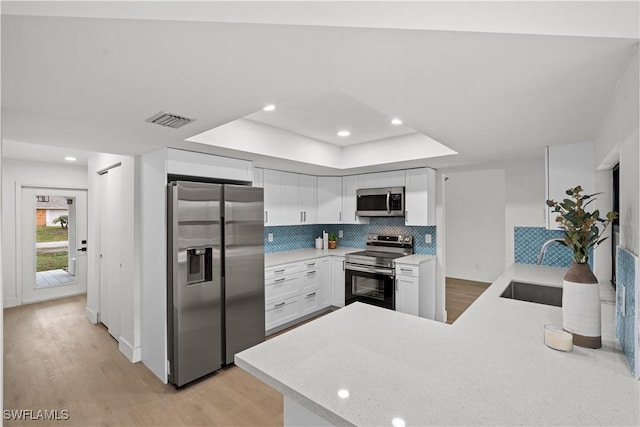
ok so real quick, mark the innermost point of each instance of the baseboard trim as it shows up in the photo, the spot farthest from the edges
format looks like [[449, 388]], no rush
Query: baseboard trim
[[91, 315], [66, 295], [133, 353], [10, 302]]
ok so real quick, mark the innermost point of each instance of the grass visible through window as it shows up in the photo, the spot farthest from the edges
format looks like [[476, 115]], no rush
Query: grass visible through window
[[52, 258], [51, 234], [52, 261]]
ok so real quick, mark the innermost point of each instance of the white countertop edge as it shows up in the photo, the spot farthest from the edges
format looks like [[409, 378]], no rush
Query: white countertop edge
[[272, 259], [295, 395], [284, 257]]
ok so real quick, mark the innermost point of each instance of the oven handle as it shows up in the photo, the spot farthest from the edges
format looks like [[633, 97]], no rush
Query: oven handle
[[385, 271]]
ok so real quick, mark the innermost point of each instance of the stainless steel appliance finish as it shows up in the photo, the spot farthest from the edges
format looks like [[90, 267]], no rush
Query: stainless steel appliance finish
[[215, 276], [387, 201], [370, 274]]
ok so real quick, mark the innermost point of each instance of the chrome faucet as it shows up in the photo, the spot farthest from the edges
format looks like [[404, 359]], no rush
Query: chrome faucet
[[543, 249]]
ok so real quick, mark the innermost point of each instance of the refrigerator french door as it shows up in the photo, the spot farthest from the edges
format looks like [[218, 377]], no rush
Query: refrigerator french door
[[215, 276]]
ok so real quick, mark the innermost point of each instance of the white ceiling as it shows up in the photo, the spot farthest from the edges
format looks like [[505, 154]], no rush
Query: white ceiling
[[322, 114], [89, 83]]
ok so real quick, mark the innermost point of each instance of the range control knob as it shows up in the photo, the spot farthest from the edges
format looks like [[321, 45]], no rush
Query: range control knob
[[406, 239]]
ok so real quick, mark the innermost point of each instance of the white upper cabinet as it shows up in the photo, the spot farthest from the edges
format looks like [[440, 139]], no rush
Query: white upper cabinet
[[307, 195], [182, 162], [289, 198], [382, 179], [258, 177], [349, 186], [273, 183], [420, 191], [329, 200], [567, 166]]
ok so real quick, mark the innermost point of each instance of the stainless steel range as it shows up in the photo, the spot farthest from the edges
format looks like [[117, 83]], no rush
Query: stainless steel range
[[370, 274]]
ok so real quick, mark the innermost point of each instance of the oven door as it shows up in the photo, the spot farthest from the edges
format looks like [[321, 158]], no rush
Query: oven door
[[371, 285]]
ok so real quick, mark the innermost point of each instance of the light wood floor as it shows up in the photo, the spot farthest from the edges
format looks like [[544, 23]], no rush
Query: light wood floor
[[55, 359], [460, 294]]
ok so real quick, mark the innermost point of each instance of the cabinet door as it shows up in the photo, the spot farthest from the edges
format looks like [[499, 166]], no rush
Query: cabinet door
[[272, 197], [291, 212], [307, 193], [329, 200], [420, 197], [258, 177], [407, 295], [349, 186], [324, 282], [337, 281], [382, 179]]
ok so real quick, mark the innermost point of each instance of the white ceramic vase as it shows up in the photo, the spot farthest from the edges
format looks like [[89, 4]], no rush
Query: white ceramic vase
[[581, 313]]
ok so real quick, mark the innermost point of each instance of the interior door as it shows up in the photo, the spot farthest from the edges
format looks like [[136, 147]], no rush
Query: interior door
[[52, 248], [110, 244]]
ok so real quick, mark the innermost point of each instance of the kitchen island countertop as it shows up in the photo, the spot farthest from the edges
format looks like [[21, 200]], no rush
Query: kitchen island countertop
[[490, 367]]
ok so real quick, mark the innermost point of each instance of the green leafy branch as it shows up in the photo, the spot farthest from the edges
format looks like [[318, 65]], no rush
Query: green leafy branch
[[581, 228]]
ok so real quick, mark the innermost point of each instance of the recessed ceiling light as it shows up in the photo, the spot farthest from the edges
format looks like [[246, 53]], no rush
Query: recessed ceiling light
[[269, 107], [343, 393], [398, 422], [70, 159], [396, 121], [344, 133]]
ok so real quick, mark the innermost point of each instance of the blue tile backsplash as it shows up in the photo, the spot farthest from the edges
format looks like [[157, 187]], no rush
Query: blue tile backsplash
[[286, 238], [626, 307], [529, 240]]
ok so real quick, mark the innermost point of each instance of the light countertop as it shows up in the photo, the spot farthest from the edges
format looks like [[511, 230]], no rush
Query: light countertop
[[490, 367], [278, 258], [297, 255]]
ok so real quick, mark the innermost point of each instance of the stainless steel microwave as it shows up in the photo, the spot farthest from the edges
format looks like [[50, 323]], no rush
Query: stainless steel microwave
[[387, 201]]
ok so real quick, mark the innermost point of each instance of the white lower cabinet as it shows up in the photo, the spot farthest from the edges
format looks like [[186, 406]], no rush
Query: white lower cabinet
[[407, 295], [295, 290], [281, 312], [337, 281], [416, 289]]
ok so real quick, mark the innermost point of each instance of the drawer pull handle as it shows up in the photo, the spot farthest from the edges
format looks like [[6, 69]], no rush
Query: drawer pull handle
[[408, 270], [279, 271], [311, 273], [313, 294], [312, 264], [280, 280], [280, 304]]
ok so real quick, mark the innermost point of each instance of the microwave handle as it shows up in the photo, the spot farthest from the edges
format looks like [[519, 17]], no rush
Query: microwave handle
[[388, 205]]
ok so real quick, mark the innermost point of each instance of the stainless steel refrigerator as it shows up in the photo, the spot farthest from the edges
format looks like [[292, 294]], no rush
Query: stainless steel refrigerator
[[215, 276]]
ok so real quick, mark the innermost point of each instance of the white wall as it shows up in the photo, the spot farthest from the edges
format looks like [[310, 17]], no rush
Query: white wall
[[129, 339], [475, 217], [16, 173], [617, 139], [154, 266], [525, 201]]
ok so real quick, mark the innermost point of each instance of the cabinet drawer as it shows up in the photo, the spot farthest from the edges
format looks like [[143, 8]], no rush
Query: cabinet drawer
[[406, 270], [309, 279], [282, 270], [311, 264], [281, 312], [281, 287], [309, 301]]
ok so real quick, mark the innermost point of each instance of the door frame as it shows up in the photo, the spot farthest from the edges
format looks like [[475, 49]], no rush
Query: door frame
[[18, 186]]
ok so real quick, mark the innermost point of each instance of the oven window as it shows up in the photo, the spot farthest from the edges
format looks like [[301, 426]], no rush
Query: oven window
[[367, 287]]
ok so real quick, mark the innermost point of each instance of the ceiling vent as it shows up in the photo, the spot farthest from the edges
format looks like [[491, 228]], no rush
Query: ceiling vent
[[169, 120]]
